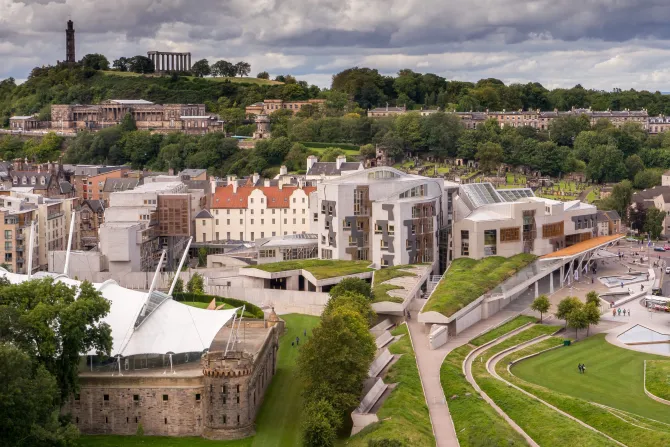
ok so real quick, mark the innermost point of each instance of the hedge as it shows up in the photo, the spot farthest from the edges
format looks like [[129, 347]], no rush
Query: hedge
[[252, 309]]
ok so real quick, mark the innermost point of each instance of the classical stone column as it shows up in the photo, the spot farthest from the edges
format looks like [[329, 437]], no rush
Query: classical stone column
[[172, 61], [188, 61], [180, 63]]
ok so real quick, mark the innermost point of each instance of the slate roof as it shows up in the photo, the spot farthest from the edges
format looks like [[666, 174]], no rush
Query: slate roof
[[204, 214], [650, 194], [65, 187], [192, 172], [29, 174], [330, 168], [96, 206], [120, 184]]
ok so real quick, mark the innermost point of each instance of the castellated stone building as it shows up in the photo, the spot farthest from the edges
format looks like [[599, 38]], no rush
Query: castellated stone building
[[216, 396]]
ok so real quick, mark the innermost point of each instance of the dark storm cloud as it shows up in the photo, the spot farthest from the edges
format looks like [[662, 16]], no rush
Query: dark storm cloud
[[600, 43]]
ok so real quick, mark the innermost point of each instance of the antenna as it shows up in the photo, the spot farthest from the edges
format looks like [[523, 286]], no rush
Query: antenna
[[181, 264], [30, 249], [69, 243]]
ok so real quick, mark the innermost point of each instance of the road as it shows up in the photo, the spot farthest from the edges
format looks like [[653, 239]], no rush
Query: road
[[629, 248]]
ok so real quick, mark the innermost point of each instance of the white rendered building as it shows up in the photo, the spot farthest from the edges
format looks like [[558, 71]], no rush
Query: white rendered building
[[506, 222], [381, 214]]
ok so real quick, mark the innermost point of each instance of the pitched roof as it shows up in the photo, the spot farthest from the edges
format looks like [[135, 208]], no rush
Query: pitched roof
[[330, 168], [38, 176], [120, 184], [204, 214], [650, 194], [613, 215], [95, 205], [224, 197], [192, 172], [65, 187]]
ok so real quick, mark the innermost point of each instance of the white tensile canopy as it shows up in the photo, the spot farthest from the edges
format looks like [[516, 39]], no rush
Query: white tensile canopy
[[172, 327]]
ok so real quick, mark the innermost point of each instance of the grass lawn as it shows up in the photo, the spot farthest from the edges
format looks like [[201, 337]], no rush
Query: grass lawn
[[614, 376], [477, 424], [404, 414], [544, 425], [630, 429], [658, 378], [278, 423], [350, 150], [502, 330], [320, 268], [380, 291], [468, 279]]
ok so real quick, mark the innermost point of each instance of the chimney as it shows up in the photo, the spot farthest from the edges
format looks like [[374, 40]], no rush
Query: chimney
[[255, 178], [212, 183], [234, 183], [266, 182], [341, 159], [311, 160], [39, 168], [283, 170]]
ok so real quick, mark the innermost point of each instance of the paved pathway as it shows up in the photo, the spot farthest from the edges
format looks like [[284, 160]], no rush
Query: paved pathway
[[430, 361]]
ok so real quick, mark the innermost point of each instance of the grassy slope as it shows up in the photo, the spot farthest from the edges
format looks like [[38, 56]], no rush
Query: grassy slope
[[646, 433], [379, 290], [277, 424], [320, 268], [613, 376], [477, 424], [468, 279], [502, 330], [221, 79], [543, 424], [658, 378], [404, 414]]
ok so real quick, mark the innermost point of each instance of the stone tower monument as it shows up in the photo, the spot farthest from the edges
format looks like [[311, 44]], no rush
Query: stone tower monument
[[69, 43], [262, 127]]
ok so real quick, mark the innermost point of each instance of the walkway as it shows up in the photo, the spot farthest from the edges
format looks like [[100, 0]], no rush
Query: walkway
[[430, 361]]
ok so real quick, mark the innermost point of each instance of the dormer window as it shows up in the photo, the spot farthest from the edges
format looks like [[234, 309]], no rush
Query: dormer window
[[24, 180], [33, 180], [43, 180]]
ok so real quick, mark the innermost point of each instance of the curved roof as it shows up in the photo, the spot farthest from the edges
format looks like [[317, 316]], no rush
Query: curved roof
[[172, 327]]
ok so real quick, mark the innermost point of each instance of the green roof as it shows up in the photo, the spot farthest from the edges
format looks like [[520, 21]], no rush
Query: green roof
[[320, 268], [380, 290], [468, 279]]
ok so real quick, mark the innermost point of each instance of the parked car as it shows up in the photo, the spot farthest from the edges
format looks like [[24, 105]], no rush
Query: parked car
[[659, 249], [667, 270], [667, 246], [631, 239]]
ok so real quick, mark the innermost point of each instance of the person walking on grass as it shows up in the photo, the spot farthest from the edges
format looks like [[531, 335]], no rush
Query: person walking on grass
[[297, 341], [579, 367], [583, 368]]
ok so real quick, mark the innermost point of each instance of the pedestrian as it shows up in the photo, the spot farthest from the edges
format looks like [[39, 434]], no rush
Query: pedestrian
[[304, 333], [409, 317], [629, 312], [622, 284], [579, 367], [641, 287], [583, 369], [618, 311], [292, 344], [297, 341], [614, 312]]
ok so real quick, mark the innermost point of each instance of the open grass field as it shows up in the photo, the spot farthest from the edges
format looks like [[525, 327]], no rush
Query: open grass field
[[544, 425], [468, 279], [320, 268], [632, 430], [278, 422], [658, 378], [614, 376], [404, 414]]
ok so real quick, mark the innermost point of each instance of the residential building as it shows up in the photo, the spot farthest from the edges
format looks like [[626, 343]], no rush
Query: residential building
[[89, 181], [117, 185], [656, 197], [248, 210], [91, 216], [16, 233], [46, 179], [270, 106], [658, 124], [490, 222], [381, 215], [609, 223], [320, 170]]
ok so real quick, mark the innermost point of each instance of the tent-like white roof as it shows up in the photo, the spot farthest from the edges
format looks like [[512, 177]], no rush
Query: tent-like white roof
[[172, 327]]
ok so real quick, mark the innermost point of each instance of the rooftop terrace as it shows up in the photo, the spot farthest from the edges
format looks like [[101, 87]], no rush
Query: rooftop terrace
[[320, 268]]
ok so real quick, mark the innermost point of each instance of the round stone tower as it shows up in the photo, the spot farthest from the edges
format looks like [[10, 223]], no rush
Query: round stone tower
[[262, 127]]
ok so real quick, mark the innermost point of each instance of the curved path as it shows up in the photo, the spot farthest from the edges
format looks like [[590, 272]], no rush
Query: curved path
[[467, 371], [491, 368]]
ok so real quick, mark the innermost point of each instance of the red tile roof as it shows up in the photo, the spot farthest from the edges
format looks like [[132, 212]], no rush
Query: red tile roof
[[276, 197]]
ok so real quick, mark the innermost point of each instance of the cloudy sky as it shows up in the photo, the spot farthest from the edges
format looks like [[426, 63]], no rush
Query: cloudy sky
[[601, 44]]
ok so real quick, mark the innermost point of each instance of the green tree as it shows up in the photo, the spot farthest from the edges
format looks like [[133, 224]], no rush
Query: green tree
[[577, 319], [242, 68], [648, 178], [263, 75], [223, 68], [620, 199], [634, 164], [140, 64], [120, 64], [566, 306], [355, 285], [593, 297], [201, 68], [355, 300], [320, 424], [606, 164], [95, 61], [54, 323], [128, 124], [592, 315], [49, 148], [196, 284], [541, 304], [440, 133], [202, 257], [564, 130], [653, 223], [489, 155], [29, 403], [178, 286]]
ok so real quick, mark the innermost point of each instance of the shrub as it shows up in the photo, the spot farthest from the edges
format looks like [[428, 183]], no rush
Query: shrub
[[355, 285], [196, 284], [140, 430], [320, 424]]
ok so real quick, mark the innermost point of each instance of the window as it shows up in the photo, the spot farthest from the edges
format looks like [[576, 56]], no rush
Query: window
[[262, 234], [241, 222], [552, 230], [323, 239], [227, 235], [384, 244], [413, 229], [105, 397], [262, 222], [252, 235], [378, 229], [224, 419], [408, 244], [417, 191], [252, 221], [465, 243], [385, 263], [136, 397], [203, 222], [352, 240], [197, 397], [8, 234], [391, 230], [510, 234], [490, 242], [267, 253], [165, 397], [326, 254], [165, 421], [252, 200], [294, 211], [316, 217]]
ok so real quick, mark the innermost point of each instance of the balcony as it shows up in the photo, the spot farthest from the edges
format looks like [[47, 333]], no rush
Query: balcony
[[20, 237]]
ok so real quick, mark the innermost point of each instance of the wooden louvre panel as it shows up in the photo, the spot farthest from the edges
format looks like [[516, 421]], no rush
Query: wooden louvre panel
[[510, 234]]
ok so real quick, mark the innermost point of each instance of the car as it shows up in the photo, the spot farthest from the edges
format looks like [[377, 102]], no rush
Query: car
[[659, 249], [631, 239], [667, 246], [667, 270]]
